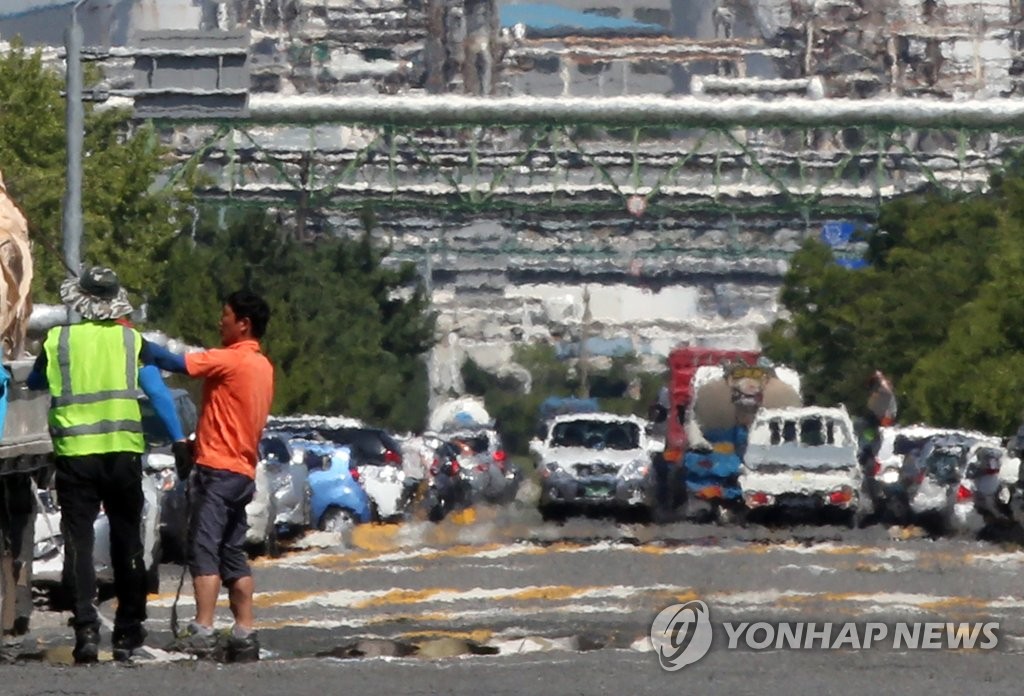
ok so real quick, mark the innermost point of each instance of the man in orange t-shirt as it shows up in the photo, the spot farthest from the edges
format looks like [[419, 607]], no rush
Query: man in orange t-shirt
[[238, 389]]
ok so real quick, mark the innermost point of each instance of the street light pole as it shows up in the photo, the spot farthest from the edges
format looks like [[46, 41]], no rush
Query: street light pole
[[71, 223]]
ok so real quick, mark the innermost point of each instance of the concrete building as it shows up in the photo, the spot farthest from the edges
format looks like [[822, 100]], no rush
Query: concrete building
[[709, 288]]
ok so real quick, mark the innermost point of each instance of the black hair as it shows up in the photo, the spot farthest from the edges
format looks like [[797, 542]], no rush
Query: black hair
[[248, 305]]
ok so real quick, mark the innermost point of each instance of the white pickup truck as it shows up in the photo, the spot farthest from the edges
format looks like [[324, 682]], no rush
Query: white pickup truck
[[803, 458]]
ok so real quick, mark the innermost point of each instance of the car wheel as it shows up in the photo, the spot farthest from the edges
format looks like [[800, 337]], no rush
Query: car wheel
[[726, 516], [272, 544], [553, 513], [337, 521]]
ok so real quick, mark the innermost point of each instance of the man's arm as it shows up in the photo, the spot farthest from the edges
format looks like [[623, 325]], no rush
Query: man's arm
[[163, 403], [153, 354], [37, 377]]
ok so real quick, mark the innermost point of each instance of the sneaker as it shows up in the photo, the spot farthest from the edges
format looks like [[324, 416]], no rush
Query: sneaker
[[195, 641], [243, 649], [87, 645], [127, 640], [10, 647]]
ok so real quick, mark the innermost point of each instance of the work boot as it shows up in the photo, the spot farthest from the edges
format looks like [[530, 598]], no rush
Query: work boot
[[243, 649], [21, 626], [195, 640], [127, 640], [87, 645]]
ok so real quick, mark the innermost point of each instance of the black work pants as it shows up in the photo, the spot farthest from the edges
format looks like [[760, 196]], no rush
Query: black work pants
[[17, 544], [115, 480]]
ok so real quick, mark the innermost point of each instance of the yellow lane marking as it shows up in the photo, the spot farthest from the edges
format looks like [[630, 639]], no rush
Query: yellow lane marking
[[955, 603], [264, 600], [549, 593], [480, 635], [398, 597]]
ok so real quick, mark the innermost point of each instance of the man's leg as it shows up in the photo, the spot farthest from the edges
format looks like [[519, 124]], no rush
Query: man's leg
[[123, 502], [79, 498], [22, 507], [206, 589], [243, 645], [240, 593], [206, 530]]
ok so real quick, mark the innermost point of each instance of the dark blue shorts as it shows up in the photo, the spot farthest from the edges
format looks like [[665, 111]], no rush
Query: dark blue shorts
[[216, 535]]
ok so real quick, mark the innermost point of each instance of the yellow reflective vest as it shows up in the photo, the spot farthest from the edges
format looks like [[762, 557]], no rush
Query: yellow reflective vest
[[93, 372]]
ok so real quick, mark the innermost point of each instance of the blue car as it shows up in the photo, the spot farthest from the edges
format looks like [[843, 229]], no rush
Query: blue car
[[337, 501]]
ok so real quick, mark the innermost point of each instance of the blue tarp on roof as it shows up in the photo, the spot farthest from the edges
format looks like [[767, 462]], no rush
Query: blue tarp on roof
[[547, 18]]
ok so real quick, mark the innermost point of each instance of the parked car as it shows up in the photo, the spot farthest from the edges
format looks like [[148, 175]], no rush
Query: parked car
[[492, 476], [594, 460], [315, 487], [804, 460], [448, 487], [280, 506], [366, 445], [377, 463], [882, 466], [955, 483], [337, 501]]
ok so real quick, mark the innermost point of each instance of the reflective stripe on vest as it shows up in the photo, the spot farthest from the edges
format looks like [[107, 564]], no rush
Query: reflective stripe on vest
[[93, 372]]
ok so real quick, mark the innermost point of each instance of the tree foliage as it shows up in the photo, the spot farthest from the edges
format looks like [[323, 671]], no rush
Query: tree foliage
[[517, 413], [347, 333], [940, 309], [127, 224]]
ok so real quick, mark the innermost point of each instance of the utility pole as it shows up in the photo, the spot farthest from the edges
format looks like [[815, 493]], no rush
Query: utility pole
[[584, 359], [71, 222]]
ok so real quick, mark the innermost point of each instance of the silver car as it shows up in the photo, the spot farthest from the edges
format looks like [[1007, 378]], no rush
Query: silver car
[[594, 460]]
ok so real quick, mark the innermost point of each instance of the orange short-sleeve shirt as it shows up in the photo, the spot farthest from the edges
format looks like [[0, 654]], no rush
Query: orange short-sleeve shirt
[[237, 391]]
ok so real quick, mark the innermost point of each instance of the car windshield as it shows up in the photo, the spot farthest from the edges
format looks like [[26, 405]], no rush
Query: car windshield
[[594, 434], [810, 431], [272, 447], [944, 463], [474, 444]]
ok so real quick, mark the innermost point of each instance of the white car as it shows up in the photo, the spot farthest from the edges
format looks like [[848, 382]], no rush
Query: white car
[[595, 459], [281, 500], [804, 458], [959, 481]]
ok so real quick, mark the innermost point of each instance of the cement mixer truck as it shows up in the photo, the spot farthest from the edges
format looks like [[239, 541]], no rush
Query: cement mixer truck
[[712, 398]]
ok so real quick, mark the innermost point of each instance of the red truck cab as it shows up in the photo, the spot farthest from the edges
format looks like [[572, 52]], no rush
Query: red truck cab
[[682, 364]]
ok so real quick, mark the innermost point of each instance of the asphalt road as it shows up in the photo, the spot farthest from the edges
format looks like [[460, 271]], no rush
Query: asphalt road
[[507, 604]]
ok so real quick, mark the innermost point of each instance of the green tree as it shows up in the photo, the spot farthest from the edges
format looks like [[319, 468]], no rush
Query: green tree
[[936, 310], [127, 223], [347, 333], [976, 376]]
